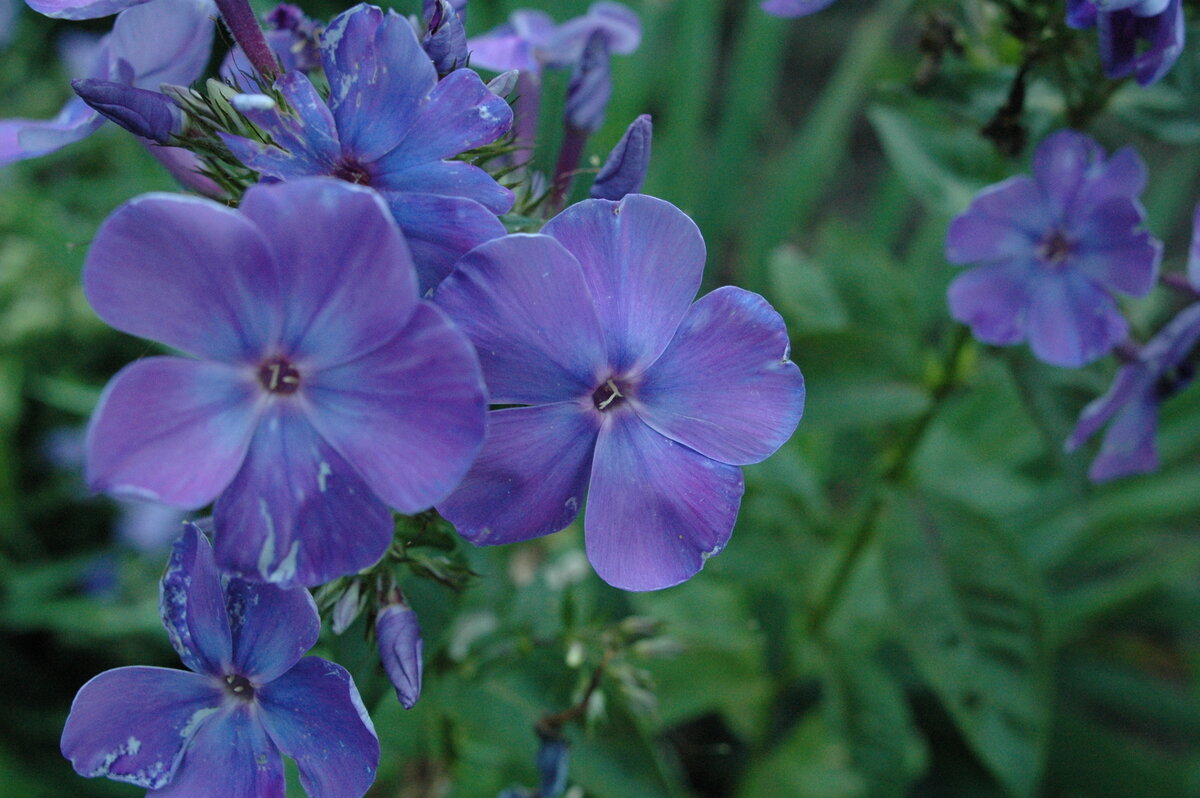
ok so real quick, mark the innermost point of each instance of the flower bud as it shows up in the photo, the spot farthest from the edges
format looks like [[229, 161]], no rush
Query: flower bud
[[445, 39], [347, 608], [503, 84], [147, 114], [590, 87], [552, 759], [625, 170], [400, 649]]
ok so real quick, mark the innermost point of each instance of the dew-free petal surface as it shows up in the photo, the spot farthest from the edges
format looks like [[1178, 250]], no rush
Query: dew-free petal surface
[[230, 756], [192, 604], [273, 627]]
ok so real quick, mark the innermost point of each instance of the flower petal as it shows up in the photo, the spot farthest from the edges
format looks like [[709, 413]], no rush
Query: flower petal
[[523, 302], [724, 386], [1071, 321], [410, 415], [448, 178], [643, 259], [167, 41], [1129, 383], [1004, 221], [230, 756], [172, 430], [314, 714], [794, 8], [529, 480], [1061, 164], [81, 9], [1112, 253], [188, 272], [32, 138], [502, 49], [993, 300], [1128, 446], [273, 627], [297, 513], [440, 230], [192, 603], [132, 724], [350, 283], [656, 509]]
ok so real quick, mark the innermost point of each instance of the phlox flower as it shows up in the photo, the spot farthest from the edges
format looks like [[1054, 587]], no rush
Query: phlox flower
[[249, 694], [795, 8], [630, 393], [531, 41], [1052, 248], [390, 124], [1142, 38], [321, 392]]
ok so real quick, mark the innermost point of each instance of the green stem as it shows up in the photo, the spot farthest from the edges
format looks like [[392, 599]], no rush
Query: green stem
[[864, 531]]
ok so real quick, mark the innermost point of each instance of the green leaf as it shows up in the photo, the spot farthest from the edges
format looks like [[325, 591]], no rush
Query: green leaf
[[804, 294], [971, 616], [810, 763]]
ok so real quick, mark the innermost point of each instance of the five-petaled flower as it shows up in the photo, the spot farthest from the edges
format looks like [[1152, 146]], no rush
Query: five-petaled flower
[[325, 389], [249, 694], [390, 124], [632, 393], [1053, 247]]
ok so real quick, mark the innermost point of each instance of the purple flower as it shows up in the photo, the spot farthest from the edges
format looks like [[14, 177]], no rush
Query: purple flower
[[1142, 38], [390, 124], [625, 170], [445, 38], [146, 114], [531, 41], [1053, 247], [219, 727], [632, 393], [325, 390], [795, 8], [400, 650], [168, 41]]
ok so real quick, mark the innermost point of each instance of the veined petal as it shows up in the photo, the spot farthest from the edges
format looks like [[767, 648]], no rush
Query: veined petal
[[643, 259], [297, 513], [409, 415], [192, 603], [1004, 221], [724, 385], [315, 715], [230, 756], [189, 272], [350, 283], [656, 508], [273, 627], [171, 429], [523, 302], [440, 230], [132, 724], [993, 300], [530, 478], [1071, 321]]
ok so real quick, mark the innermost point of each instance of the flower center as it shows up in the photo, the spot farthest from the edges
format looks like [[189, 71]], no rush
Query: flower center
[[608, 395], [277, 375], [239, 687], [352, 172], [1055, 248]]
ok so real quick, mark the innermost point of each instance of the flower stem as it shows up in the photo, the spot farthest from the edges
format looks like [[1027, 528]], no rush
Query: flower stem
[[864, 530], [240, 20], [569, 155]]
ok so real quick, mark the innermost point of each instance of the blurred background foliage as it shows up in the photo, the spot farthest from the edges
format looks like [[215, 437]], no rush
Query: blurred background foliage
[[923, 596]]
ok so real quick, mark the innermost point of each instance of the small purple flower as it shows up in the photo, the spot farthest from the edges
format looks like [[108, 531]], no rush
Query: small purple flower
[[445, 38], [248, 695], [325, 390], [390, 124], [168, 41], [530, 40], [795, 8], [1142, 38], [400, 650], [1053, 247], [625, 170], [632, 393]]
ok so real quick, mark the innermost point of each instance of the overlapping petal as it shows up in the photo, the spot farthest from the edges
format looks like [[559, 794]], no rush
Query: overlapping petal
[[192, 602], [1113, 253], [133, 724], [993, 300], [439, 230], [166, 41], [656, 508], [31, 138], [313, 713], [1061, 164], [524, 303], [530, 478], [272, 627], [1128, 446], [725, 386], [171, 429], [1071, 322], [643, 259], [1004, 221], [230, 756], [410, 414]]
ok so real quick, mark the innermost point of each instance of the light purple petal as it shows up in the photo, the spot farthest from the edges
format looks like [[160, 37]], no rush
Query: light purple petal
[[32, 138], [349, 283], [794, 8], [192, 604], [1193, 263], [314, 714], [1112, 253], [440, 230], [172, 430], [131, 724], [618, 26], [643, 259], [400, 651], [993, 300], [81, 9], [409, 415], [523, 302], [167, 41], [1061, 164], [1129, 382], [1071, 322], [501, 50], [724, 386], [1004, 221], [378, 77], [448, 178], [656, 509], [1128, 446], [531, 476], [1121, 176], [230, 756], [269, 160], [297, 513], [185, 166], [188, 272], [273, 627]]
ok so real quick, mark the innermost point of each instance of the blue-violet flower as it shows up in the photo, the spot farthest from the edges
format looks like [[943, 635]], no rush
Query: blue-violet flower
[[1142, 38]]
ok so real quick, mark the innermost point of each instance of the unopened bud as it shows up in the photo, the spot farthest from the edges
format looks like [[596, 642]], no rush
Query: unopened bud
[[400, 650], [590, 87], [148, 114], [445, 39], [347, 608], [503, 84], [625, 170]]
